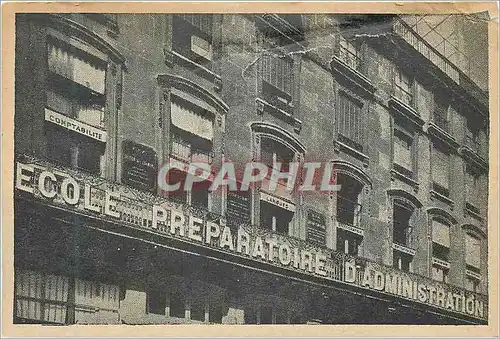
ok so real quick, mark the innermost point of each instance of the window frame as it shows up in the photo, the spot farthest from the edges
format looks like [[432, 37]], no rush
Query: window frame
[[344, 108], [398, 88], [81, 95], [398, 132]]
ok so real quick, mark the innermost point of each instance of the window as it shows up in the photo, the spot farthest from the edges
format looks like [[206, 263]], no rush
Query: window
[[402, 230], [472, 262], [75, 89], [440, 163], [403, 152], [177, 305], [472, 251], [472, 190], [440, 250], [40, 296], [402, 261], [472, 279], [349, 53], [156, 300], [348, 208], [192, 131], [275, 218], [349, 124], [440, 117], [278, 81], [192, 37], [472, 135], [348, 242], [403, 87], [273, 152]]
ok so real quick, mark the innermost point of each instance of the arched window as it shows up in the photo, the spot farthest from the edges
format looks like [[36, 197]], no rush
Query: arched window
[[473, 248], [275, 145], [440, 223], [349, 200], [440, 249], [404, 212]]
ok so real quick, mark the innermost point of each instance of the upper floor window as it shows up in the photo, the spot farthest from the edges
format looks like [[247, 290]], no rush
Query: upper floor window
[[403, 87], [276, 216], [472, 189], [76, 90], [472, 135], [348, 214], [349, 124], [441, 111], [191, 131], [273, 152], [472, 262], [349, 53], [403, 152], [191, 140], [402, 235], [440, 249], [440, 162], [402, 230], [278, 81], [192, 37]]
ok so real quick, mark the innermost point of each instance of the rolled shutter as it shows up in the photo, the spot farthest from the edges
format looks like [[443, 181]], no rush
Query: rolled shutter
[[190, 121], [472, 251], [441, 233], [76, 67]]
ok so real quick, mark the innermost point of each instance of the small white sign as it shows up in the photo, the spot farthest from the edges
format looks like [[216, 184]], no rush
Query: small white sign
[[75, 125], [277, 201]]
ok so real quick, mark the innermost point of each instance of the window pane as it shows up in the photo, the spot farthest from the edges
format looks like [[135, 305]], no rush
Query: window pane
[[186, 118], [472, 251], [402, 150], [440, 167], [440, 233], [349, 120]]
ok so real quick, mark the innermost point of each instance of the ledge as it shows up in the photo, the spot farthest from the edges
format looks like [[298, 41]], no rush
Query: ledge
[[473, 157], [264, 106], [340, 146], [441, 263], [406, 112], [472, 211], [395, 174], [442, 135], [403, 249], [167, 80], [350, 228], [360, 80], [473, 274], [443, 198], [172, 57]]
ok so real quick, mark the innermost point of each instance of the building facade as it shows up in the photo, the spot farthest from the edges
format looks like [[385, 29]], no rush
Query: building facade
[[103, 101]]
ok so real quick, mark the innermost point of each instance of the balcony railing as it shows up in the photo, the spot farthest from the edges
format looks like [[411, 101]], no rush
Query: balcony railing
[[459, 76], [349, 58]]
